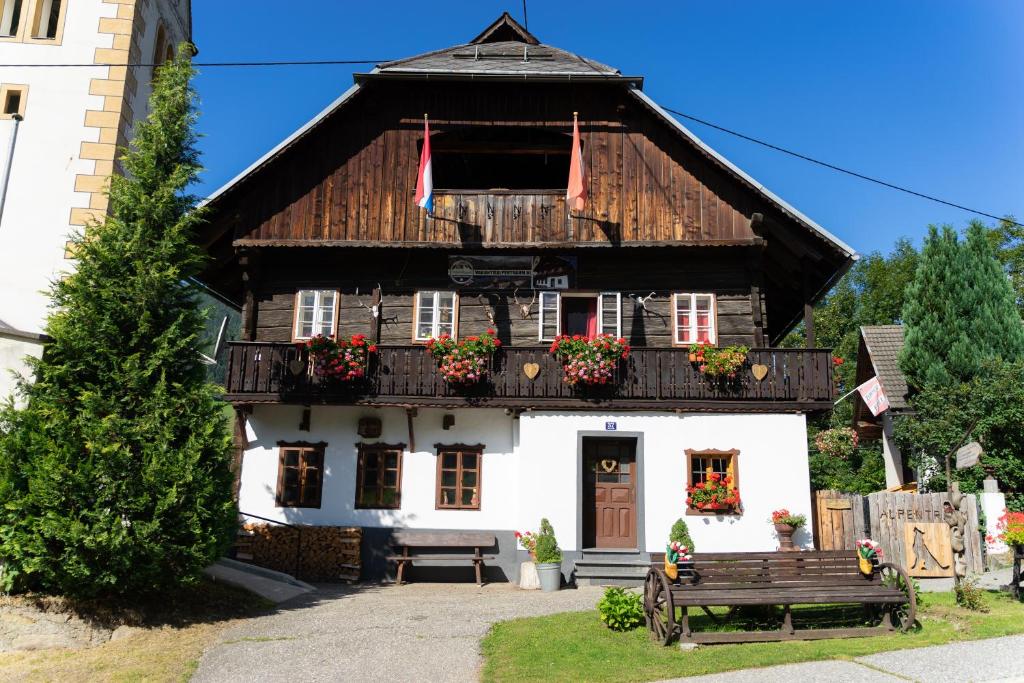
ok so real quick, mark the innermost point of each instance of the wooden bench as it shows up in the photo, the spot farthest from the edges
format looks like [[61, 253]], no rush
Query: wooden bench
[[736, 580], [404, 541]]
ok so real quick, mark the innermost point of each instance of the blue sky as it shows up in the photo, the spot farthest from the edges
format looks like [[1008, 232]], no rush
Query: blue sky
[[929, 95]]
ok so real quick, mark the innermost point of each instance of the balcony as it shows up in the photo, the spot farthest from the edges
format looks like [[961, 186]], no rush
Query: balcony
[[519, 216], [652, 378]]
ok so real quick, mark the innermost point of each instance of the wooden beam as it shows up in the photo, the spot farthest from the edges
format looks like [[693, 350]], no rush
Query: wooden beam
[[808, 309]]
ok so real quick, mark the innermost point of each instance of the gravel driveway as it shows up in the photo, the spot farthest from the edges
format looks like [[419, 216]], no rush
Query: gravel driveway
[[416, 632]]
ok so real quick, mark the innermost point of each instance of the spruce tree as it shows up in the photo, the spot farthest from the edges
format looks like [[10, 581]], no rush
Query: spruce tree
[[936, 334], [115, 476], [991, 301]]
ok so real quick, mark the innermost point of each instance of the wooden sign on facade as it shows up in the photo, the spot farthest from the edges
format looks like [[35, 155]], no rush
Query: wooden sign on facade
[[928, 550]]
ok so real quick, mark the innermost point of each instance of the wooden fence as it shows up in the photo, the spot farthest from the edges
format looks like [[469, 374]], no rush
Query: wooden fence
[[842, 518]]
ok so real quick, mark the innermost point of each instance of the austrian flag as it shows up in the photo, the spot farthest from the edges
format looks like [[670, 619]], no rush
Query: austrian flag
[[577, 192], [425, 176]]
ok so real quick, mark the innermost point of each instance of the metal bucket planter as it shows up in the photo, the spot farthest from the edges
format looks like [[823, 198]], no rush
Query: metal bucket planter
[[550, 574]]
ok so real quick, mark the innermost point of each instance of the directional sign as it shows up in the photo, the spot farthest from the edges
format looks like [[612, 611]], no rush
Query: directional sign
[[968, 455]]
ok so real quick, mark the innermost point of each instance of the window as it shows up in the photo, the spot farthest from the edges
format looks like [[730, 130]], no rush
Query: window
[[379, 476], [47, 19], [435, 315], [10, 18], [702, 464], [300, 474], [583, 314], [458, 476], [12, 99], [315, 312], [501, 158], [695, 319]]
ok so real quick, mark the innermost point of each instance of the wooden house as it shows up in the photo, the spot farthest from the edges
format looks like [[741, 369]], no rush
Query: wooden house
[[674, 245]]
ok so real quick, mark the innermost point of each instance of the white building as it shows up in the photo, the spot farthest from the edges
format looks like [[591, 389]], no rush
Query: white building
[[675, 246], [60, 129]]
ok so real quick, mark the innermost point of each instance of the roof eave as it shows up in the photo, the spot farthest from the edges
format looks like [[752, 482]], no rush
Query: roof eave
[[636, 82]]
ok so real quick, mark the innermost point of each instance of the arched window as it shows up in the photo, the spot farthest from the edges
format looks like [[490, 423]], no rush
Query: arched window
[[162, 50], [500, 157]]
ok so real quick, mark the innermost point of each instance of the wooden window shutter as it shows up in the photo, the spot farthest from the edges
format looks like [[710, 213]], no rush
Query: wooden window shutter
[[549, 317], [609, 313]]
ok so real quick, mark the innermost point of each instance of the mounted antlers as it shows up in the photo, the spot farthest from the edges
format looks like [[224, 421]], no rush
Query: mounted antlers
[[642, 300], [375, 303], [488, 308], [524, 309]]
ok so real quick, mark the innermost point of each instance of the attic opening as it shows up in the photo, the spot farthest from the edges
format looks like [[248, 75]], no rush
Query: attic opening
[[500, 158]]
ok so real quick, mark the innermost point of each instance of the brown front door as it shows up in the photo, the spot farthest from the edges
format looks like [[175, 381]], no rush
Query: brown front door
[[609, 493]]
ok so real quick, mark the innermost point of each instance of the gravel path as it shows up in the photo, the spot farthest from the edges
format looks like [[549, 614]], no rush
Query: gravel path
[[417, 632]]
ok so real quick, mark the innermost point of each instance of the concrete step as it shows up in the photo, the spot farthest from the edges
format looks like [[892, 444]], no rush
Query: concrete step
[[604, 569]]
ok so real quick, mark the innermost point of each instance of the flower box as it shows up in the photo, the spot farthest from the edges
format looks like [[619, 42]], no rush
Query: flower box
[[589, 361], [342, 360], [464, 363], [717, 495]]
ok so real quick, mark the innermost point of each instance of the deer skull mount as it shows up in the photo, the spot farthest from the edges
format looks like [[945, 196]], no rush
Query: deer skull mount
[[641, 301], [524, 309], [375, 303], [488, 308]]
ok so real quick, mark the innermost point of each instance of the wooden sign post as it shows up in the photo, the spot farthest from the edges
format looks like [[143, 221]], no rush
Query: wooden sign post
[[928, 550]]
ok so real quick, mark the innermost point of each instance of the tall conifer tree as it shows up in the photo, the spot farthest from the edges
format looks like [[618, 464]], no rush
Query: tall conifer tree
[[115, 476], [959, 312]]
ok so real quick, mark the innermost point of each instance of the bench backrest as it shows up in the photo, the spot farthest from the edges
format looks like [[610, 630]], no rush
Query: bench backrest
[[778, 570], [443, 539]]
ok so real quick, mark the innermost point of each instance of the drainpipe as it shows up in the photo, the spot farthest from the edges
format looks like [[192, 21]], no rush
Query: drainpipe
[[7, 167]]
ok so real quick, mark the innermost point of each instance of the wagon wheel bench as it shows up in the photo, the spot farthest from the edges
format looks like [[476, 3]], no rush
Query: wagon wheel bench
[[404, 541], [737, 580]]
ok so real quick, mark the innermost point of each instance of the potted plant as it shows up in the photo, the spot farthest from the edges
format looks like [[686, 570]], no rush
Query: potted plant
[[869, 554], [785, 524], [718, 363], [528, 540], [717, 494], [340, 359], [678, 561], [838, 442], [467, 362], [589, 361], [548, 558], [1011, 532], [680, 534]]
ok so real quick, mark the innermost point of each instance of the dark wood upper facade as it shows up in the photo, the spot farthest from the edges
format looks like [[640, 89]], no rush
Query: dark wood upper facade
[[333, 207]]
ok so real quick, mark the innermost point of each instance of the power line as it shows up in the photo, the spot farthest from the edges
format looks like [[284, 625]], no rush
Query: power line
[[840, 169], [296, 62], [703, 122]]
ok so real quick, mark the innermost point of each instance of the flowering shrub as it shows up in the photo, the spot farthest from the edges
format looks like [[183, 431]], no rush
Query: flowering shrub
[[869, 550], [464, 362], [839, 442], [343, 359], [1011, 528], [719, 362], [589, 361], [717, 493], [784, 516], [676, 552], [528, 540]]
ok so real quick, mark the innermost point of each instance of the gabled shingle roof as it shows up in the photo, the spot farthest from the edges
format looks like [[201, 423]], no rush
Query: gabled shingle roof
[[883, 344], [503, 58]]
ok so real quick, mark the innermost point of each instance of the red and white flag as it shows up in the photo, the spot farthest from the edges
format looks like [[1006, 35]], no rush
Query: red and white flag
[[577, 174], [425, 175], [874, 398]]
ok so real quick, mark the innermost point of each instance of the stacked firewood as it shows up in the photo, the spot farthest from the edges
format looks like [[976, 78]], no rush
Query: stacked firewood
[[328, 553]]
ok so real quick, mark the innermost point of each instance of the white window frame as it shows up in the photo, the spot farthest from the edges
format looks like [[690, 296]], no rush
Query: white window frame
[[435, 310], [601, 298], [691, 337], [317, 306]]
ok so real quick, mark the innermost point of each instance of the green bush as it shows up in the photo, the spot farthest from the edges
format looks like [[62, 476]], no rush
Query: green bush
[[547, 544], [681, 533], [620, 609], [969, 595]]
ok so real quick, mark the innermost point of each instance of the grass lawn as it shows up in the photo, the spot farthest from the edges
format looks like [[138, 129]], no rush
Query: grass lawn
[[174, 635], [577, 646]]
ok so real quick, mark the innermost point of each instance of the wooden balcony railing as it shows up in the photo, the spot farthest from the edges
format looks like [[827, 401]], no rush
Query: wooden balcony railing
[[504, 215], [796, 379]]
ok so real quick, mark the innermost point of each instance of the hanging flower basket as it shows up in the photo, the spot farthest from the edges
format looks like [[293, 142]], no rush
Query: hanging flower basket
[[344, 360], [589, 361], [719, 363], [839, 442], [467, 362], [717, 494]]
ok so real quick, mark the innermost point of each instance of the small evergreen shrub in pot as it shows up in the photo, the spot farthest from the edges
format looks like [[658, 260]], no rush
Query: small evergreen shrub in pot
[[548, 558], [680, 535], [620, 610]]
